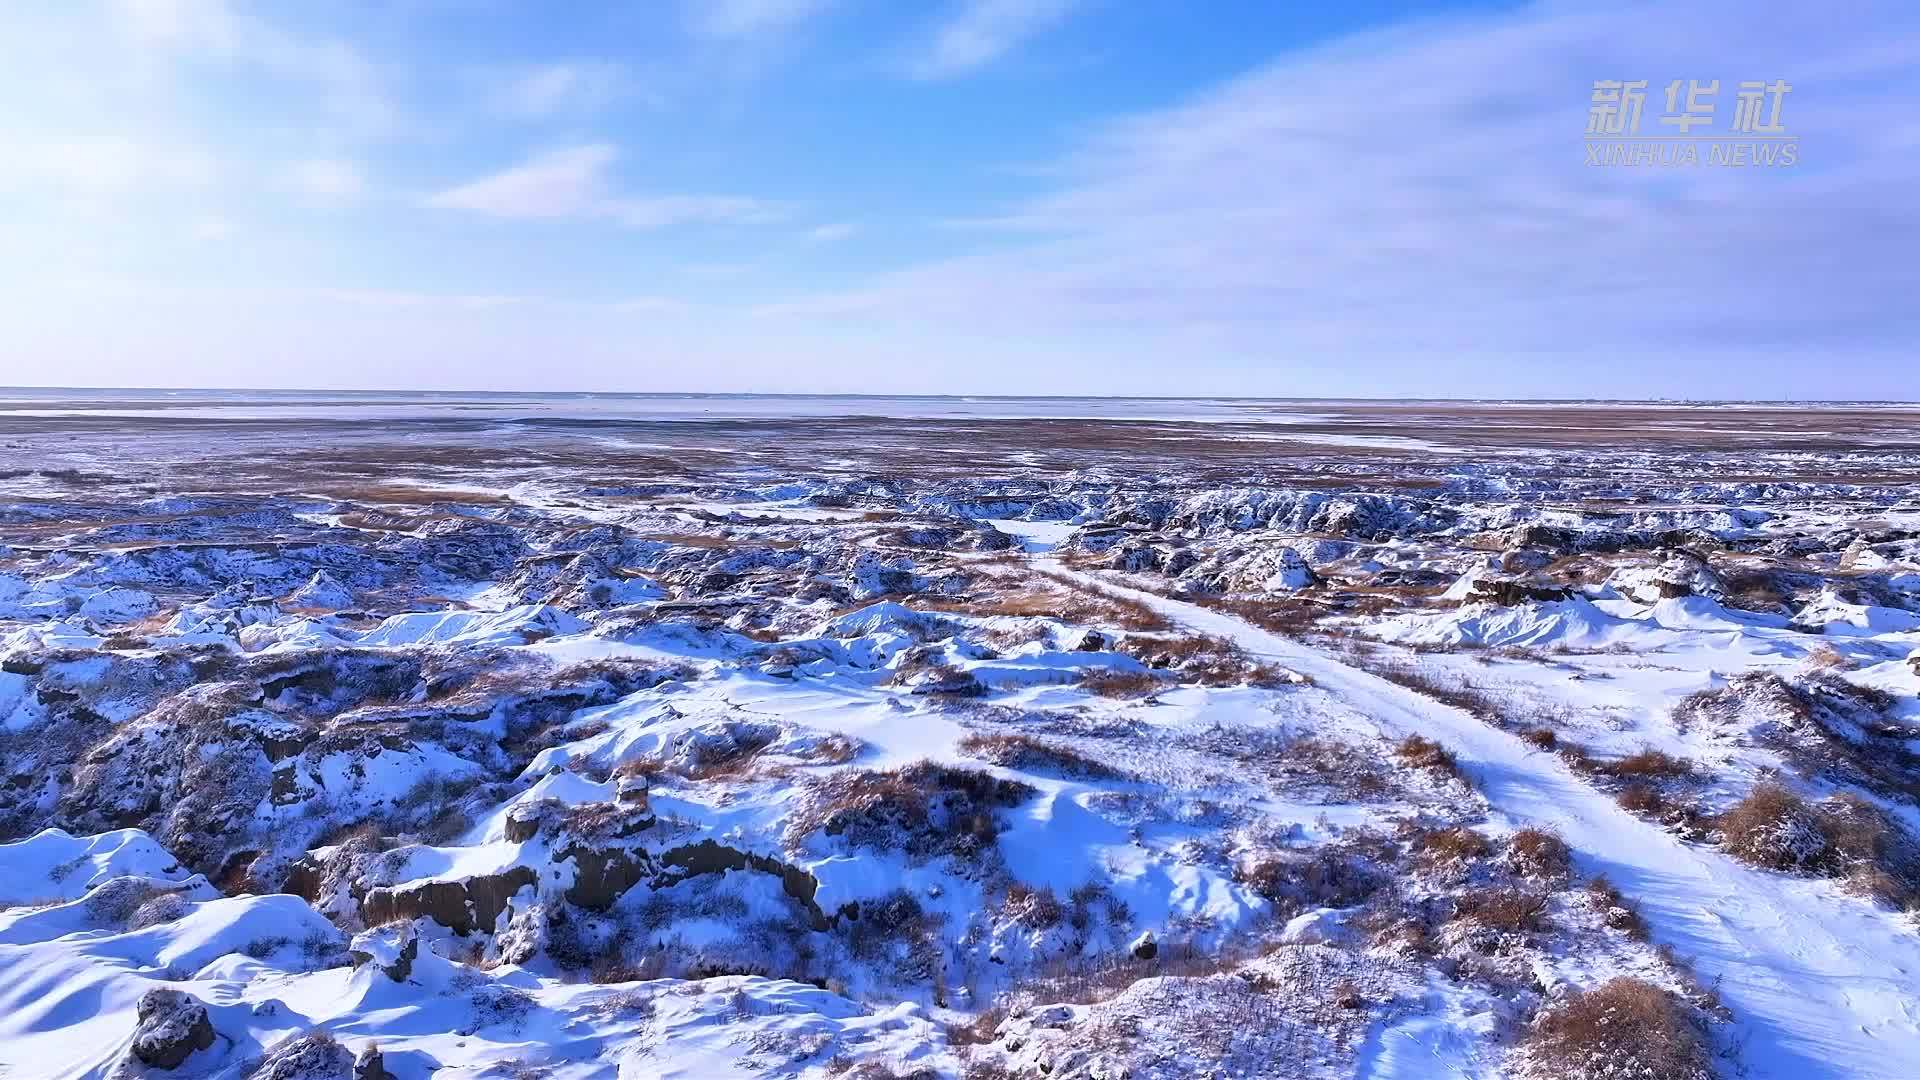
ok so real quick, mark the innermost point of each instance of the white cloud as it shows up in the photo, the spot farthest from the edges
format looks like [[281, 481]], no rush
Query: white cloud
[[104, 164], [1414, 202], [573, 183], [326, 180], [564, 183], [835, 230], [983, 31], [553, 88], [741, 18], [352, 90]]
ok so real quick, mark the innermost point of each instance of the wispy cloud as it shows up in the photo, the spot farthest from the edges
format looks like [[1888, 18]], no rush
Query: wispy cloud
[[984, 30], [740, 18], [330, 180], [1422, 193], [549, 89], [831, 231], [104, 164], [573, 183], [352, 89], [563, 183]]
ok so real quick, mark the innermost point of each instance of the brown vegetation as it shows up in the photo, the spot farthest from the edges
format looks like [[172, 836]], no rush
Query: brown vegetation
[[1289, 617], [1615, 909], [1028, 754], [1424, 753], [1541, 738], [1107, 682], [1456, 844], [1508, 908], [1627, 1027], [1649, 764], [1843, 837], [1774, 828], [1198, 658], [1538, 853], [925, 808]]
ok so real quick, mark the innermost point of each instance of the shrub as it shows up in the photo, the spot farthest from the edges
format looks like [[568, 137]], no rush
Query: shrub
[[1874, 855], [1456, 844], [164, 908], [1828, 658], [1650, 764], [1577, 758], [1028, 754], [115, 902], [1540, 738], [1035, 909], [1508, 908], [925, 808], [1641, 799], [1324, 876], [1424, 753], [1625, 1028], [1774, 828], [1334, 771], [1208, 661], [1539, 853], [874, 1070], [1615, 909], [1121, 684]]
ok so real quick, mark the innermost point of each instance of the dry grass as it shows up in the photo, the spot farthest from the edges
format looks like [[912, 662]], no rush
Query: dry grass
[[1122, 684], [1327, 875], [1774, 828], [1644, 799], [1423, 753], [1198, 658], [1456, 844], [1538, 853], [1828, 658], [1649, 764], [1625, 1028], [1035, 909], [1844, 837], [1127, 612], [1027, 754], [1290, 617], [1615, 909], [1491, 706], [1308, 765], [1510, 908], [1541, 739], [925, 809], [1036, 594]]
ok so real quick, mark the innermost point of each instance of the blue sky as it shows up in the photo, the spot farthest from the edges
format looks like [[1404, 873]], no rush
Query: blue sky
[[970, 196]]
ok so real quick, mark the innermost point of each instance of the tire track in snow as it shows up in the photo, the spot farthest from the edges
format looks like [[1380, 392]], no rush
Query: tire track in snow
[[1820, 985]]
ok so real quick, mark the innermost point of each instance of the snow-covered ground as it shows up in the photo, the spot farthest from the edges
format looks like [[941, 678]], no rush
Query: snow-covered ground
[[1819, 984], [443, 767]]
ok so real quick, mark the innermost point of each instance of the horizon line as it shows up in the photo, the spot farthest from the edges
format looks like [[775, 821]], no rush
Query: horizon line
[[961, 396]]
